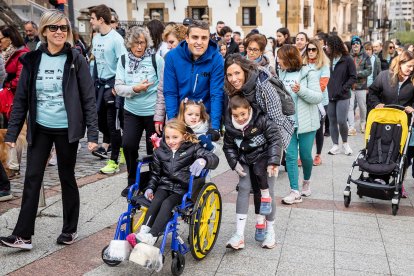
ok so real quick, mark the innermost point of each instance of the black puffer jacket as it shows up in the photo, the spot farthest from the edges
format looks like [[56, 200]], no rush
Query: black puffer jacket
[[170, 171], [343, 76], [385, 64], [260, 139]]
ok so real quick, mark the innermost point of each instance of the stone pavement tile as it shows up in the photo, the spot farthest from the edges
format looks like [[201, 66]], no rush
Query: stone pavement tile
[[253, 248], [123, 269], [400, 250], [310, 240], [210, 263], [312, 215], [390, 225], [196, 272], [344, 272], [309, 226], [397, 237], [401, 266], [360, 232], [360, 246], [300, 269], [237, 263], [306, 256], [361, 262], [367, 220]]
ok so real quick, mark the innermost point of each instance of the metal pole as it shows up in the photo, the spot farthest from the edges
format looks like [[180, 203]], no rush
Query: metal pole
[[329, 16], [71, 13], [286, 13]]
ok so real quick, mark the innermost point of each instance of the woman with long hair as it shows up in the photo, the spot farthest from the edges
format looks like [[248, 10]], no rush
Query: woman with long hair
[[301, 41], [56, 92], [343, 76], [315, 58], [304, 87], [387, 54], [156, 29]]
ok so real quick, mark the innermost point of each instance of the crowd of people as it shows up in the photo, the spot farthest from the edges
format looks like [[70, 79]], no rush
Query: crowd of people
[[270, 98]]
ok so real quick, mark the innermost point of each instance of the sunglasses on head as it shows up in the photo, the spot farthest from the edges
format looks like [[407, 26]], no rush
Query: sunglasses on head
[[54, 28], [312, 49]]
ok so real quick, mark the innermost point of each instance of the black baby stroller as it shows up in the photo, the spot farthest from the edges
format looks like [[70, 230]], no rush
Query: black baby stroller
[[382, 162]]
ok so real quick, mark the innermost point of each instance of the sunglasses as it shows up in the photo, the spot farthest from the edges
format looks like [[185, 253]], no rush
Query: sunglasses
[[391, 47], [170, 41], [113, 21], [54, 28], [312, 49]]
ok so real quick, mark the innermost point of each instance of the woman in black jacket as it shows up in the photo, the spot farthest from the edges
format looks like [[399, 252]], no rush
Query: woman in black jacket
[[178, 157], [56, 90], [343, 76]]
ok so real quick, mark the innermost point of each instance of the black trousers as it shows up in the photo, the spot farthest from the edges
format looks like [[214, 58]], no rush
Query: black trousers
[[4, 180], [37, 155], [159, 212], [134, 126], [107, 115], [319, 133]]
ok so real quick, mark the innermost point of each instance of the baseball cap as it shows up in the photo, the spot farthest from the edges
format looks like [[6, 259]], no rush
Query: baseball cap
[[187, 21]]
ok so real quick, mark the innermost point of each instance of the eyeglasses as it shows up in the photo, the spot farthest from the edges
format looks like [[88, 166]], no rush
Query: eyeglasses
[[391, 47], [113, 21], [254, 50], [312, 49], [54, 28]]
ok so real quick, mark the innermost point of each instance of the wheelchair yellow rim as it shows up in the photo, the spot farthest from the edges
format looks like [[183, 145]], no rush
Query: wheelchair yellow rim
[[137, 219], [205, 221]]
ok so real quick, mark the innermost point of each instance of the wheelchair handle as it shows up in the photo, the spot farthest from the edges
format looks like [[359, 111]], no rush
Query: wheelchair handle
[[395, 106]]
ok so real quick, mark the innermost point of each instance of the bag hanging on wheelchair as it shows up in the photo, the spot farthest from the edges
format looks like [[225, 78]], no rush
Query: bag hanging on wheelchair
[[148, 256]]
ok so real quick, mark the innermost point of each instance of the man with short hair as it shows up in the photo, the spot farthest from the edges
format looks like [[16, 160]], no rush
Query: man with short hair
[[237, 37], [108, 47], [194, 70], [31, 39], [115, 24], [377, 47], [359, 89], [216, 36]]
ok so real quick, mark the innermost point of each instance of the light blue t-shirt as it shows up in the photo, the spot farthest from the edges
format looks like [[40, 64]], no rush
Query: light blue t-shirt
[[107, 49], [51, 111], [324, 73], [142, 103], [289, 79]]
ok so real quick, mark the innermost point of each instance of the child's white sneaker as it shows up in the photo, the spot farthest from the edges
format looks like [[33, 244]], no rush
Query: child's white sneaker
[[144, 229], [147, 238], [236, 242], [270, 240]]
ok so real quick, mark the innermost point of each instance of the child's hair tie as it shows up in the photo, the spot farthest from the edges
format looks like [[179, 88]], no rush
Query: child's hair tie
[[185, 100], [200, 101]]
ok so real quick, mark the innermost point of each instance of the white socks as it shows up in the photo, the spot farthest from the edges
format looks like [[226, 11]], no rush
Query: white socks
[[265, 193], [260, 219], [240, 224], [269, 226]]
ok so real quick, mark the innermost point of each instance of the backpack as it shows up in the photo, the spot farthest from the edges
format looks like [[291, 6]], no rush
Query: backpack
[[288, 105], [154, 63]]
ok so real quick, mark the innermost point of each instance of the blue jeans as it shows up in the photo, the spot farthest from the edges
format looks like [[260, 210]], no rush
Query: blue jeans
[[299, 144]]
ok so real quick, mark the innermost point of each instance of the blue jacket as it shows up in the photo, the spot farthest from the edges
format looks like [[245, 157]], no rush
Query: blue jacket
[[200, 79]]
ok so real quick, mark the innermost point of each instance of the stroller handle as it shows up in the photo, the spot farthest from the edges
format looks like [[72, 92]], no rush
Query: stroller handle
[[395, 106]]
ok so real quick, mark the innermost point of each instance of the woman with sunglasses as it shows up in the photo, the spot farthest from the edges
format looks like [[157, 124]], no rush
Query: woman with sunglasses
[[316, 59], [387, 54], [56, 91], [302, 82], [255, 47]]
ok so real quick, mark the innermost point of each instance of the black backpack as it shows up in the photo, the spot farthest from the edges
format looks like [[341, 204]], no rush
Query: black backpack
[[288, 105]]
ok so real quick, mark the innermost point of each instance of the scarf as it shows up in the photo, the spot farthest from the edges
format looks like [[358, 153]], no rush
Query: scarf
[[310, 60], [8, 52], [135, 61], [200, 128], [243, 126]]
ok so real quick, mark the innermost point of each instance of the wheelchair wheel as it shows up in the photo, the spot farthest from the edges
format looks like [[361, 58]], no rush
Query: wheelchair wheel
[[205, 221], [178, 263], [137, 219], [108, 262]]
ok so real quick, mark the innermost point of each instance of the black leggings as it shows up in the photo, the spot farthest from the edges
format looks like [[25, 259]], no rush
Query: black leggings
[[133, 128], [320, 134], [159, 212], [37, 154], [107, 125], [4, 180]]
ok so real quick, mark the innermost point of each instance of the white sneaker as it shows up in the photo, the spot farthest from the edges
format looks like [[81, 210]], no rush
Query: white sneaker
[[347, 149], [363, 126], [334, 150], [236, 242], [269, 241], [147, 238], [144, 229], [293, 197], [352, 132], [306, 191]]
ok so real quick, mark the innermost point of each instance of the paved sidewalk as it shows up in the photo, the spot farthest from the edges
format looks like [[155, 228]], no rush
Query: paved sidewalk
[[317, 237]]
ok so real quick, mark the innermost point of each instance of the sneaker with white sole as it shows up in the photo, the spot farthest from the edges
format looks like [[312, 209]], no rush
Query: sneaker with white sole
[[236, 242], [111, 167], [16, 242], [146, 238], [347, 149], [5, 195], [270, 240], [334, 150], [293, 197], [352, 132], [306, 191], [67, 238]]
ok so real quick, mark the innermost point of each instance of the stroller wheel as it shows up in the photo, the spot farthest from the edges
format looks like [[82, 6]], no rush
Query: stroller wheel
[[105, 260], [394, 209], [347, 200]]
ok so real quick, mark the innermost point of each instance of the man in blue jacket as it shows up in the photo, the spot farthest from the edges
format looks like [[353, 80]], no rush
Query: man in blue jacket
[[194, 70]]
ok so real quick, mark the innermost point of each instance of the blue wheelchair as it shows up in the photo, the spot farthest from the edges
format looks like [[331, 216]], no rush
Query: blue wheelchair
[[201, 208]]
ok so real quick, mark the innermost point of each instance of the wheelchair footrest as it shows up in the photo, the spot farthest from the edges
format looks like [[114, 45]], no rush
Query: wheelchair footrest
[[140, 200]]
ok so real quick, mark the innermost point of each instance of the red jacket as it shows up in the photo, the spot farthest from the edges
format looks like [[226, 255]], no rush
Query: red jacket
[[14, 68]]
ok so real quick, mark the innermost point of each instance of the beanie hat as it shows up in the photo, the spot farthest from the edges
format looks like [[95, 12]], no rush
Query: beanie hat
[[356, 39]]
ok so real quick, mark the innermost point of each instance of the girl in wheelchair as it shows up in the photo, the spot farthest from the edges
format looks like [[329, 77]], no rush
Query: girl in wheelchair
[[195, 117], [252, 145], [178, 156]]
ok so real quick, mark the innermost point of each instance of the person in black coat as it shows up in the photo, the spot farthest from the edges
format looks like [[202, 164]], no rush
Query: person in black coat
[[56, 92], [178, 157], [232, 46]]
